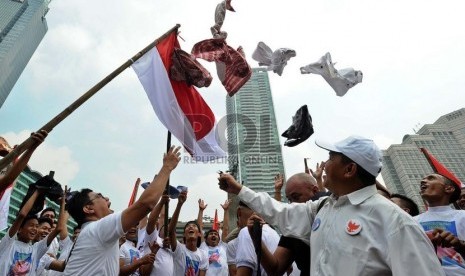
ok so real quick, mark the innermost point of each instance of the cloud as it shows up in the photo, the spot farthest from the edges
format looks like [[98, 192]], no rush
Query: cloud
[[48, 157]]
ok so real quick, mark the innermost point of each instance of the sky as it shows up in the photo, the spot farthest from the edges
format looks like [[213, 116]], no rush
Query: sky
[[410, 53]]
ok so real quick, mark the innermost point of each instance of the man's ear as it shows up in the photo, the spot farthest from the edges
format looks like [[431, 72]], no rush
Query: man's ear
[[449, 189], [350, 170], [88, 209]]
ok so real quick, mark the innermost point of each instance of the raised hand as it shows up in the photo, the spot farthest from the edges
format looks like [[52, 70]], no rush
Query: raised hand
[[147, 259], [39, 137], [202, 204], [154, 247], [164, 199], [225, 206], [182, 198], [172, 158], [318, 172], [228, 184], [278, 182]]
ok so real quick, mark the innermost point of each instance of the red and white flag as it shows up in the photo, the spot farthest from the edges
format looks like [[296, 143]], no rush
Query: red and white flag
[[178, 106]]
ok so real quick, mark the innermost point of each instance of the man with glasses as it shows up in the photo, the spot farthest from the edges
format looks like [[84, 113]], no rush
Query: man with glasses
[[96, 250]]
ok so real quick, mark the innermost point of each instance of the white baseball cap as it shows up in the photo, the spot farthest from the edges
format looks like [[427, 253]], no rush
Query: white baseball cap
[[361, 150]]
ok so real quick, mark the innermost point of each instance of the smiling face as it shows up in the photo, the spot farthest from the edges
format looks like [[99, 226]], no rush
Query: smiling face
[[334, 170], [29, 230], [43, 230], [131, 235]]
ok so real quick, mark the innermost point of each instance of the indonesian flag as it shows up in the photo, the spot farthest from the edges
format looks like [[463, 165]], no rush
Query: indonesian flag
[[178, 106], [440, 168], [216, 224]]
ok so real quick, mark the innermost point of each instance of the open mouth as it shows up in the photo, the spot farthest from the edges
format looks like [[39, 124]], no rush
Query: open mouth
[[423, 188]]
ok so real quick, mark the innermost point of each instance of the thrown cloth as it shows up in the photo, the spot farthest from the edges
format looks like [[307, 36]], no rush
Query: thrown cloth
[[186, 68], [220, 14], [232, 67], [274, 60], [340, 80], [301, 128], [50, 189]]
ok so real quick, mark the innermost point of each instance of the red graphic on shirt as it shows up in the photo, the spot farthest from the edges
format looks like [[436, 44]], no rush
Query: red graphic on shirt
[[352, 227]]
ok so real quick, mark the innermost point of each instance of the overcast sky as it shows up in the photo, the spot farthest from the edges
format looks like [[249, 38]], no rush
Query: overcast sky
[[410, 53]]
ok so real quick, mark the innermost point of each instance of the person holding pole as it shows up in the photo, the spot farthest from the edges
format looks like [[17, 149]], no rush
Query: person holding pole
[[101, 228]]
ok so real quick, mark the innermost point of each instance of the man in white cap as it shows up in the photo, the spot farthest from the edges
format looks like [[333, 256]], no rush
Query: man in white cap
[[356, 231]]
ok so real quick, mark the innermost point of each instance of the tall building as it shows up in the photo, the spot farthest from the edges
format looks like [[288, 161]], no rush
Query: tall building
[[254, 150], [405, 165], [22, 27]]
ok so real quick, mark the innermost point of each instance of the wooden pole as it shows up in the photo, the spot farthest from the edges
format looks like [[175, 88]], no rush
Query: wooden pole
[[65, 113], [167, 189]]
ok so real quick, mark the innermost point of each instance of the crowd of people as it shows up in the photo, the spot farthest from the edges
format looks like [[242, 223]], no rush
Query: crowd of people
[[335, 220]]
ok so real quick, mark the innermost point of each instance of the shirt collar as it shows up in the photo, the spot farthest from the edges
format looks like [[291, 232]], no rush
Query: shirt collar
[[440, 208], [361, 195]]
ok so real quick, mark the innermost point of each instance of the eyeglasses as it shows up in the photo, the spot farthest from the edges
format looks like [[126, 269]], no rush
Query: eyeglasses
[[99, 195]]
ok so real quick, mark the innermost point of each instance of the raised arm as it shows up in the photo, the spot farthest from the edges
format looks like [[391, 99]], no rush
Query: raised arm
[[202, 207], [22, 214], [225, 207], [278, 185], [151, 223], [152, 194], [174, 220], [318, 175], [62, 219], [21, 163]]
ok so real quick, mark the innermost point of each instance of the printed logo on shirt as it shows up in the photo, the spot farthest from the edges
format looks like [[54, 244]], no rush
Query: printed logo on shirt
[[316, 224], [353, 227], [447, 255], [134, 255], [214, 258], [192, 267], [22, 263]]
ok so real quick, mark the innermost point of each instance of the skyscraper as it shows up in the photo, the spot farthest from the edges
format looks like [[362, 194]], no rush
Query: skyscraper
[[405, 165], [22, 27], [254, 150]]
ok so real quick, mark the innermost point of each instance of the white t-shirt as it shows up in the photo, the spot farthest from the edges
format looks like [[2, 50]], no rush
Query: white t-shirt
[[141, 238], [446, 218], [217, 259], [231, 251], [17, 257], [187, 262], [245, 254], [44, 263], [65, 247], [129, 253], [96, 251], [53, 248], [163, 265]]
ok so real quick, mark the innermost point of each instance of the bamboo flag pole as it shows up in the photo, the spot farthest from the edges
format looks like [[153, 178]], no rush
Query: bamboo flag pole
[[65, 113], [167, 189]]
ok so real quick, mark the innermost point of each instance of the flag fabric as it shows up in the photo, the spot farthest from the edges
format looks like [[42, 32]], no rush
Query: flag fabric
[[180, 107], [216, 224], [134, 192], [440, 168]]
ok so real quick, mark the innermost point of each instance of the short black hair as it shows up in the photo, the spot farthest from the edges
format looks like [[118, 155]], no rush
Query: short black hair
[[48, 209], [28, 218], [199, 240], [365, 177], [456, 194], [408, 203], [208, 233], [47, 220], [76, 204], [242, 204]]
